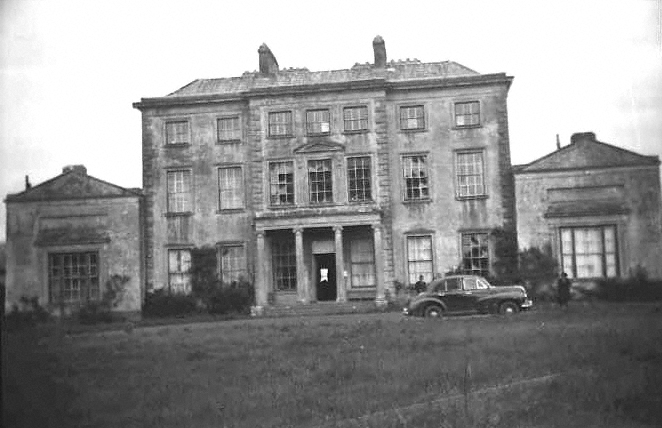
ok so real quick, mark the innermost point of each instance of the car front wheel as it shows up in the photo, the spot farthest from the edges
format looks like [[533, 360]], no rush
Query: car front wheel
[[508, 308], [433, 311]]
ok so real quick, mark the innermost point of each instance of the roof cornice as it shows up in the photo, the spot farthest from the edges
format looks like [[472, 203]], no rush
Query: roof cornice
[[354, 85]]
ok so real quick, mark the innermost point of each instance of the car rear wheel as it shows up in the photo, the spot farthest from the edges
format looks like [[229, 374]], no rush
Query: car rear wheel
[[508, 308], [433, 311]]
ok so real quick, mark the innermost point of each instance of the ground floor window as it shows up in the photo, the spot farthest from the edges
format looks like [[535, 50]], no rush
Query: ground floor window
[[475, 254], [179, 271], [232, 263], [589, 252], [419, 258], [284, 264], [73, 277], [362, 256]]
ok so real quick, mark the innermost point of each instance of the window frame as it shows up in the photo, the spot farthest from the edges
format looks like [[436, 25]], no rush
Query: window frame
[[369, 187], [359, 120], [271, 195], [405, 187], [74, 275], [243, 262], [604, 266], [471, 125], [189, 192], [289, 268], [241, 191], [309, 122], [417, 272], [186, 275], [166, 134], [329, 182], [419, 118], [289, 125], [355, 259], [238, 138], [458, 176], [480, 271]]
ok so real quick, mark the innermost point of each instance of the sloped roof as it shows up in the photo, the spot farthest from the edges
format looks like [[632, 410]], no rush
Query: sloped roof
[[586, 152], [73, 183], [294, 77]]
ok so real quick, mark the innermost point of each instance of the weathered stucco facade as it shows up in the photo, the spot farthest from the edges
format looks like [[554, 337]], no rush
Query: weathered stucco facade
[[327, 185], [68, 236], [597, 206]]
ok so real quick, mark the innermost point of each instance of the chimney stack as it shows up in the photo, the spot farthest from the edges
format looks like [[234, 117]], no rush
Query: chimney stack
[[80, 169], [268, 63], [27, 183], [380, 52], [558, 142], [582, 136]]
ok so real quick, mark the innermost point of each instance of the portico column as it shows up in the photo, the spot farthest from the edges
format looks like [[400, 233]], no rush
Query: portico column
[[261, 290], [340, 266], [380, 298], [302, 284]]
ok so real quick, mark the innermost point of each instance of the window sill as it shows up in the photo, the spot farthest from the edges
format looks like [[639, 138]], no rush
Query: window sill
[[179, 214], [357, 131], [361, 202], [228, 142], [459, 128], [177, 146], [321, 204], [282, 207], [230, 211], [469, 198], [280, 137], [417, 201], [407, 131], [324, 134]]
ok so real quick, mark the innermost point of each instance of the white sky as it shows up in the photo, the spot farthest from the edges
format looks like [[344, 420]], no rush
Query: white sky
[[70, 70]]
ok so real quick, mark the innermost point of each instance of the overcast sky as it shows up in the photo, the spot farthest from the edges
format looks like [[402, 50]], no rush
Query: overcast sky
[[70, 70]]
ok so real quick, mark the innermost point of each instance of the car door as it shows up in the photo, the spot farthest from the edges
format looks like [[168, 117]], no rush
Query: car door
[[471, 294], [453, 294]]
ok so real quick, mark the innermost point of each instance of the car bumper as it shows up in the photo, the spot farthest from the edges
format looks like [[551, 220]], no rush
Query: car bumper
[[526, 304], [405, 311]]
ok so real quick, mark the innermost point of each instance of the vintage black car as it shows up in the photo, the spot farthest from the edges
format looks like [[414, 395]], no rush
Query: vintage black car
[[467, 294]]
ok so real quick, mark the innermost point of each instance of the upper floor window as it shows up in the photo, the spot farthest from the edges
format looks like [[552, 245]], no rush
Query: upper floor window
[[229, 129], [355, 118], [179, 191], [415, 172], [412, 117], [358, 179], [318, 122], [280, 124], [177, 132], [281, 183], [231, 263], [469, 168], [467, 114], [320, 181], [230, 188], [589, 252], [419, 258], [475, 254]]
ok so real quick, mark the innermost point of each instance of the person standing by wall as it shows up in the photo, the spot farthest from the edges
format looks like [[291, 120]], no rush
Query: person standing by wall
[[420, 285], [563, 289]]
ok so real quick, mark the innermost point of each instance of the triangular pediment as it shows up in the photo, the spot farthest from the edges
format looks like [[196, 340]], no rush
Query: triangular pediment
[[588, 154], [71, 185], [320, 147]]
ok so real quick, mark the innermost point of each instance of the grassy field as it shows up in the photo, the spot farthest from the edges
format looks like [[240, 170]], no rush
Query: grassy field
[[593, 366]]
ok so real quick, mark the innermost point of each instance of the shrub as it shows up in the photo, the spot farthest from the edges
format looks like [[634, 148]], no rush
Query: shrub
[[28, 314], [160, 303], [637, 288], [237, 297], [93, 312]]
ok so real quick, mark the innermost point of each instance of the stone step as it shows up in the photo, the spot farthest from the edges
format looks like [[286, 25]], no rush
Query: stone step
[[320, 308]]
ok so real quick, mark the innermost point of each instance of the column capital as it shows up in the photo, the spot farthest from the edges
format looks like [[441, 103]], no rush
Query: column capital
[[297, 230], [377, 226], [337, 228], [260, 233]]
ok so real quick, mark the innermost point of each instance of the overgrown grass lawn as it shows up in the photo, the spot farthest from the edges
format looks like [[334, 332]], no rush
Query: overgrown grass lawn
[[604, 362]]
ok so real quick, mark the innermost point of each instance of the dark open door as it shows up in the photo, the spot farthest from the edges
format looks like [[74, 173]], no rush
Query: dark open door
[[325, 277]]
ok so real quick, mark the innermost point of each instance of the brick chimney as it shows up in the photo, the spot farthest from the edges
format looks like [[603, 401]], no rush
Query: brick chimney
[[80, 169], [582, 136], [268, 63], [380, 52]]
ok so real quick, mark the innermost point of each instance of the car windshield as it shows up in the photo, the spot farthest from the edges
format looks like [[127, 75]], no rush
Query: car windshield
[[482, 283]]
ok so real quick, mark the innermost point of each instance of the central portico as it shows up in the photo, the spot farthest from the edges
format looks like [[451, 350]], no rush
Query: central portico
[[305, 257]]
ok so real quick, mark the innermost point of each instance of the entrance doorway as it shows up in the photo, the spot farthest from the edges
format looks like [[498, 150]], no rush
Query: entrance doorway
[[325, 277]]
